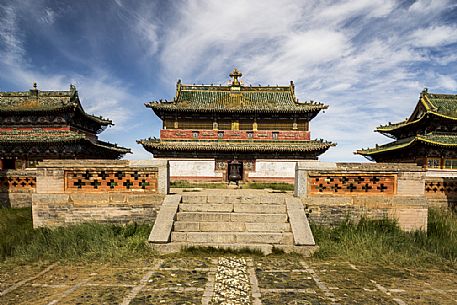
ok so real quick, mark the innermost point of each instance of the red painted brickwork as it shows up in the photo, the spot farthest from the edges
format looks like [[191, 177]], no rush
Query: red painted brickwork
[[352, 185], [187, 134], [17, 184], [31, 129], [110, 181]]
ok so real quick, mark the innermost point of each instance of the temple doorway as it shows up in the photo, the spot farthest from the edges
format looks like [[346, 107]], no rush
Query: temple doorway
[[235, 171]]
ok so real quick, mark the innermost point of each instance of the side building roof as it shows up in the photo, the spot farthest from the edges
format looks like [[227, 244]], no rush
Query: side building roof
[[235, 98], [432, 138], [36, 100], [430, 105], [18, 142]]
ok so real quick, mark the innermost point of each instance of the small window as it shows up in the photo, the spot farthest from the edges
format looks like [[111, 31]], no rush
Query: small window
[[433, 162], [195, 134], [450, 163], [250, 134], [275, 135], [220, 134]]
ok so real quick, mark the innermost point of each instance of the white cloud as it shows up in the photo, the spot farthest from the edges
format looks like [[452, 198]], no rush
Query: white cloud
[[48, 16], [434, 36]]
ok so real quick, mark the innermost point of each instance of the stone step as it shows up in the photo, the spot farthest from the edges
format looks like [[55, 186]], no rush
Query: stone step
[[268, 199], [185, 226], [234, 237], [266, 249], [230, 217], [264, 208]]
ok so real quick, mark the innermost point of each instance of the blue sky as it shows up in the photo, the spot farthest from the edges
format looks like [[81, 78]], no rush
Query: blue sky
[[367, 59]]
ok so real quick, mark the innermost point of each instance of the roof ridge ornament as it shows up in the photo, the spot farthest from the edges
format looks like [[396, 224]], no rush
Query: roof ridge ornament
[[34, 91], [235, 74]]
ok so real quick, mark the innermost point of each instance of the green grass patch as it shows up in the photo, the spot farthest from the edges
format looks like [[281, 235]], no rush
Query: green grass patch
[[19, 241], [280, 186], [382, 241], [204, 185]]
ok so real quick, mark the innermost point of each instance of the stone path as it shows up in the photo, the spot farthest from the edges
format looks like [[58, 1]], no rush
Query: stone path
[[225, 280]]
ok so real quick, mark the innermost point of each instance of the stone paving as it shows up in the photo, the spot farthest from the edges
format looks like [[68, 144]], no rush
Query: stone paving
[[287, 279]]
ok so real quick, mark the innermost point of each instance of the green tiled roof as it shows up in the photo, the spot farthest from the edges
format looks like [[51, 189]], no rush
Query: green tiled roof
[[236, 98], [36, 100], [233, 145], [39, 135], [433, 138], [440, 105]]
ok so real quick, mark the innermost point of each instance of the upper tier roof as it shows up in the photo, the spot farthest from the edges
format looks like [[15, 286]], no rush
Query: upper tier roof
[[432, 138], [235, 98], [36, 100], [433, 104]]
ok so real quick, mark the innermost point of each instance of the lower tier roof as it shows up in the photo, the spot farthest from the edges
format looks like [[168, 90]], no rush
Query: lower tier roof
[[433, 138], [34, 141], [236, 146]]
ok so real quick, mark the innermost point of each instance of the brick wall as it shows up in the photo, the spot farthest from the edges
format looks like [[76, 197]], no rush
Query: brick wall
[[335, 192], [71, 191], [187, 134], [17, 187]]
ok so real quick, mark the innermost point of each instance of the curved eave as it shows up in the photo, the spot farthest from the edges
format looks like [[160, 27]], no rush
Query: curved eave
[[390, 147], [64, 107], [230, 146], [160, 108], [99, 120], [113, 147]]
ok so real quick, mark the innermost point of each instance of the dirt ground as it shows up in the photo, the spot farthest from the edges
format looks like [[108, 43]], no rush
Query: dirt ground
[[183, 279]]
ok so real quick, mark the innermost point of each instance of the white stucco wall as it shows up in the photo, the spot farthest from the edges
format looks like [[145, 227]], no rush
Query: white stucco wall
[[193, 168], [274, 169]]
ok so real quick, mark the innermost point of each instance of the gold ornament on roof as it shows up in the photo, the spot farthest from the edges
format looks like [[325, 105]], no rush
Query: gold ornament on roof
[[235, 74]]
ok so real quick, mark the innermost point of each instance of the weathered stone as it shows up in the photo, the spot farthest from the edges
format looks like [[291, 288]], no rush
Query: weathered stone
[[164, 223], [249, 217], [205, 207], [202, 216], [267, 227], [259, 208], [222, 226]]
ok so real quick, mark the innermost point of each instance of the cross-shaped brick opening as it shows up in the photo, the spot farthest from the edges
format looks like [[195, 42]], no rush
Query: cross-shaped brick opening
[[127, 184], [144, 184], [351, 187], [366, 187], [135, 175], [336, 187], [321, 188], [374, 179], [382, 187], [79, 183], [112, 184], [95, 184], [120, 175], [102, 175], [87, 175]]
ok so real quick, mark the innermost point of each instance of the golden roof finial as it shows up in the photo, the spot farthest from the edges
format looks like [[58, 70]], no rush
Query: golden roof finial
[[34, 85], [235, 74]]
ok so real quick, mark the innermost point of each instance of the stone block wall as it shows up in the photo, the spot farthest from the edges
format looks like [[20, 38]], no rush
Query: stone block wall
[[335, 192], [17, 187], [441, 188], [119, 191]]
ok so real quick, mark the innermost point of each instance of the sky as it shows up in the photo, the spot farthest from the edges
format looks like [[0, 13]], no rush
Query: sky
[[367, 59]]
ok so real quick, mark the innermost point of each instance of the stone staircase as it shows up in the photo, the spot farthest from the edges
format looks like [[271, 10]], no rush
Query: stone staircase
[[233, 220]]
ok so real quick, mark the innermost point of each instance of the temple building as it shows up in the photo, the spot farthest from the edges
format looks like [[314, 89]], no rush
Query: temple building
[[37, 125], [235, 132], [428, 137]]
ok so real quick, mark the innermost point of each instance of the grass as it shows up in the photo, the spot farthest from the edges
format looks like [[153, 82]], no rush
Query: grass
[[206, 185], [368, 241], [89, 241], [382, 241], [280, 186]]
